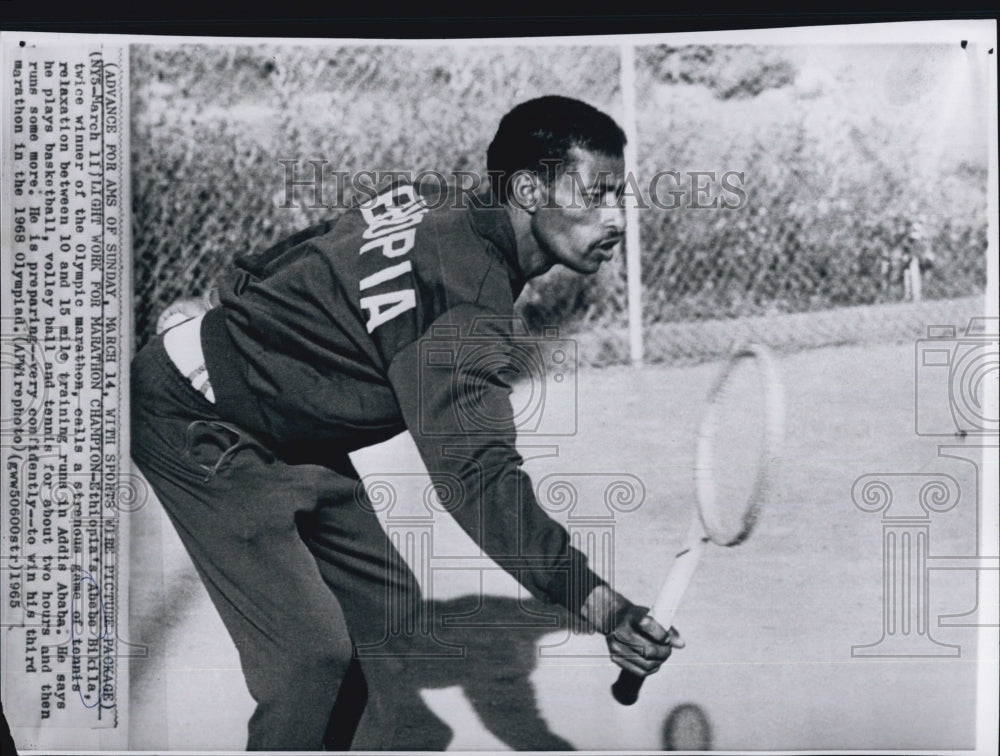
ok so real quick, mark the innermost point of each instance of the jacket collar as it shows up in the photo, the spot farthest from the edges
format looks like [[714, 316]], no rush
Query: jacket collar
[[490, 221]]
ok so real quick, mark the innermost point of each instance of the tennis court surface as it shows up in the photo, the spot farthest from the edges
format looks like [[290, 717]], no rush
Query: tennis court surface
[[774, 628]]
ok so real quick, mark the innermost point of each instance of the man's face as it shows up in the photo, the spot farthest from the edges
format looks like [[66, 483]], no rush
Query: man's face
[[580, 219]]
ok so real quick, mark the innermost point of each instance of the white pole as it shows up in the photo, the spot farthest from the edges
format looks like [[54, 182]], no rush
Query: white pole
[[632, 242], [915, 282]]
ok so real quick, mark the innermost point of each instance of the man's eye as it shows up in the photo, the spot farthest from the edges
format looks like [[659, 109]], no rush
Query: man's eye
[[608, 197]]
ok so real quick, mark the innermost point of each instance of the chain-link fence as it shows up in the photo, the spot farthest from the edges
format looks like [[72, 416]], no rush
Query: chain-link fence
[[215, 129], [772, 181], [809, 180]]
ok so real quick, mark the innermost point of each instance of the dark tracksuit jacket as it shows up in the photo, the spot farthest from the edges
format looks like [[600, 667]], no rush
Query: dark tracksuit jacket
[[352, 331]]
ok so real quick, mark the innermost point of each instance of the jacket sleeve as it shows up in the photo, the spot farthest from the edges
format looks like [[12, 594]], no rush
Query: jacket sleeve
[[452, 389]]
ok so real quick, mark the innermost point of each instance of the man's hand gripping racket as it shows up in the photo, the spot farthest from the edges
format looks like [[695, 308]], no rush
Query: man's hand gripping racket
[[739, 442]]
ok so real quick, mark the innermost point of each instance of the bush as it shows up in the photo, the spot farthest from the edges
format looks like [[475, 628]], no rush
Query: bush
[[835, 205]]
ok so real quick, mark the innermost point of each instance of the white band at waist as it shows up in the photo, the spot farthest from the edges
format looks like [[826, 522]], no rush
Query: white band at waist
[[183, 345]]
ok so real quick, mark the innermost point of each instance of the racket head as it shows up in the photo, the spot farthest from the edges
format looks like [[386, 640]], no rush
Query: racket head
[[739, 444]]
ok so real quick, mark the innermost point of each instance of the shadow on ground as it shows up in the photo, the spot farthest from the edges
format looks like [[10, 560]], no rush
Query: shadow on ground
[[687, 728], [487, 645]]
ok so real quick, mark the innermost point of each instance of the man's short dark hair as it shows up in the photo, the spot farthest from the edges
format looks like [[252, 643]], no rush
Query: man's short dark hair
[[538, 135]]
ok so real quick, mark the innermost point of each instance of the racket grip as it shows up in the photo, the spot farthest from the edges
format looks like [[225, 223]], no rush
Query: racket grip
[[626, 688]]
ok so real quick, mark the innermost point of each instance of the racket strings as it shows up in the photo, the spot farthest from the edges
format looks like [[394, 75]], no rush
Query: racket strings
[[733, 451]]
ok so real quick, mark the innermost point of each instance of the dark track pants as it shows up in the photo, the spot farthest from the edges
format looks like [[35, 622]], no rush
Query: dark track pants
[[295, 562]]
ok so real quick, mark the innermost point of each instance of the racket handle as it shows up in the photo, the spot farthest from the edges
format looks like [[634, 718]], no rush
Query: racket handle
[[626, 688], [668, 600]]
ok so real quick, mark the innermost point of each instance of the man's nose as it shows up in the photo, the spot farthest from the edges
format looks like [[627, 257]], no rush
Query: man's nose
[[613, 220]]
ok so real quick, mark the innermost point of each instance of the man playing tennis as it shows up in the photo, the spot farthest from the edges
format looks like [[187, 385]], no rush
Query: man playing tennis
[[244, 416]]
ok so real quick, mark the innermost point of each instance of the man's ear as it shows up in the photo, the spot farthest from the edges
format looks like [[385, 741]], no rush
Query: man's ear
[[526, 191]]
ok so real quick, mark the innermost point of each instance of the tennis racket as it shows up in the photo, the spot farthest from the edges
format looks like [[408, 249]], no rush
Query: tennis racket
[[739, 442]]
